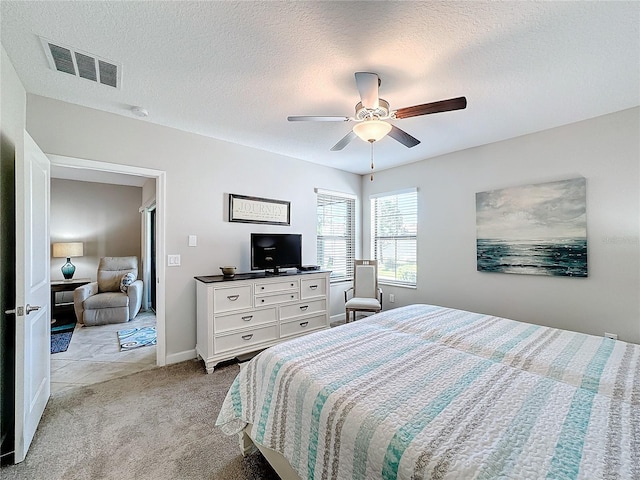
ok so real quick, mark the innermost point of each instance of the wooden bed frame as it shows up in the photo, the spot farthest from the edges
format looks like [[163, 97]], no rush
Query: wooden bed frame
[[275, 459]]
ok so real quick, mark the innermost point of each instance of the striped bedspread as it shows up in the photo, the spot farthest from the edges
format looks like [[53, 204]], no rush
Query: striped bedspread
[[431, 392]]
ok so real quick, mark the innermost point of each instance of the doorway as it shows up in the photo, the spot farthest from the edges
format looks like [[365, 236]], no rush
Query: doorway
[[105, 220], [82, 169]]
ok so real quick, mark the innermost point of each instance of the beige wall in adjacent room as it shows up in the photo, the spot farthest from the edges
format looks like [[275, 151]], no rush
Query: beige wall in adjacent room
[[104, 217], [149, 192], [606, 151]]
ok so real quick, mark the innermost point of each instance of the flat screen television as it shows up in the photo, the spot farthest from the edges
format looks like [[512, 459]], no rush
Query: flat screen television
[[274, 251]]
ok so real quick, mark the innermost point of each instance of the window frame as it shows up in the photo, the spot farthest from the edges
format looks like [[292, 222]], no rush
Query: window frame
[[349, 236], [412, 237]]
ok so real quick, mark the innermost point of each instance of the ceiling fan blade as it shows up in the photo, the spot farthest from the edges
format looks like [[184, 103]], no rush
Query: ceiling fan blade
[[306, 118], [368, 84], [344, 142], [434, 107], [403, 137]]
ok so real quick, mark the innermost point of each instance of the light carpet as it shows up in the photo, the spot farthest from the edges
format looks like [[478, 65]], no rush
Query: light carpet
[[157, 424]]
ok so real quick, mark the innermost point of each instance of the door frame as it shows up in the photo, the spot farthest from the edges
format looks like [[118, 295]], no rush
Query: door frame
[[148, 256], [161, 209]]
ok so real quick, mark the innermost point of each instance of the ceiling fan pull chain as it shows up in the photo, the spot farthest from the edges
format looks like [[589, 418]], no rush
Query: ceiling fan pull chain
[[371, 177]]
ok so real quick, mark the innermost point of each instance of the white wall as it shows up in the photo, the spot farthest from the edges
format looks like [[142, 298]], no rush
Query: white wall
[[606, 151], [201, 172], [105, 218]]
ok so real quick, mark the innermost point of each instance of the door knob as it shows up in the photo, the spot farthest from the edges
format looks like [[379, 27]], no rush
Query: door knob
[[28, 309]]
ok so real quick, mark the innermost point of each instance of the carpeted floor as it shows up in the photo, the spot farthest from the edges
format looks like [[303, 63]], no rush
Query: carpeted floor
[[157, 424]]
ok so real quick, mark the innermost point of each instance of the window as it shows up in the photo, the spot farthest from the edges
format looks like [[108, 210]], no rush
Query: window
[[394, 228], [336, 234]]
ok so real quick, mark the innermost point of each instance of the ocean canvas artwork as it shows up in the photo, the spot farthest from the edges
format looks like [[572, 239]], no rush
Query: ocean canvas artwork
[[533, 229]]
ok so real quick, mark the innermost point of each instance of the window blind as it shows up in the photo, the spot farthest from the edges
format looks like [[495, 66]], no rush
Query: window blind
[[394, 220], [336, 234]]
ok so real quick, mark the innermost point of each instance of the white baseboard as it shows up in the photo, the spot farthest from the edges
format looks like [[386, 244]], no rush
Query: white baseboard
[[181, 356], [340, 316]]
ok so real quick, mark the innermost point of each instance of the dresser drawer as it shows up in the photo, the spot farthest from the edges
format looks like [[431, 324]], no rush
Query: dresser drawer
[[232, 321], [273, 299], [277, 286], [241, 340], [251, 311], [312, 306], [301, 326], [233, 298], [313, 287]]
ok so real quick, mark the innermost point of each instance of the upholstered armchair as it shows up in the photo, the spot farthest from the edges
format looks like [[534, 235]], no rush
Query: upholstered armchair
[[115, 298]]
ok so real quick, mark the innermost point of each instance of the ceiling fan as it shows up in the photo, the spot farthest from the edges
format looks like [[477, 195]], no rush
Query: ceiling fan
[[372, 111]]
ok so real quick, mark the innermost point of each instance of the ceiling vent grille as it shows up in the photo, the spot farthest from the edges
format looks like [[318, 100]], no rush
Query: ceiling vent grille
[[82, 64]]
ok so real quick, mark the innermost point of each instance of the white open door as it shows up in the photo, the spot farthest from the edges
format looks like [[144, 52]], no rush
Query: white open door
[[32, 310]]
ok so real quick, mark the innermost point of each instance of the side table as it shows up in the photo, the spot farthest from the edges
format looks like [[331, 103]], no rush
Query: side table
[[62, 313]]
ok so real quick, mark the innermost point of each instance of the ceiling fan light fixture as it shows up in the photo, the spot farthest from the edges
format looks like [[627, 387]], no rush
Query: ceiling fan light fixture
[[372, 130]]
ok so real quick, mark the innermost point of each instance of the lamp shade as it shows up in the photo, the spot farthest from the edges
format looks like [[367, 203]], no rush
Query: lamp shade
[[372, 130], [68, 249]]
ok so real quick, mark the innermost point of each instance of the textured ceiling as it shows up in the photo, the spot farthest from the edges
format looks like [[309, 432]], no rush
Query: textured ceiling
[[236, 70]]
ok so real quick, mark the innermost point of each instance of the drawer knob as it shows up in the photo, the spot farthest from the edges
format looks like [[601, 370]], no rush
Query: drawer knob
[[292, 284], [304, 307], [247, 337], [247, 318], [233, 298], [304, 324], [262, 300], [293, 296], [313, 287], [261, 288]]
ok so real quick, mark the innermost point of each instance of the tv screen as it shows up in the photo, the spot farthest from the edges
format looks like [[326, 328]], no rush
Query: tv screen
[[273, 251]]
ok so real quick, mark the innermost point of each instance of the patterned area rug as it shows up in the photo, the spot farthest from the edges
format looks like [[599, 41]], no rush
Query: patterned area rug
[[61, 337], [60, 341], [136, 337]]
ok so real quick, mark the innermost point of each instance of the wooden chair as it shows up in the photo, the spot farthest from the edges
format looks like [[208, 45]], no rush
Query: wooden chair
[[366, 296]]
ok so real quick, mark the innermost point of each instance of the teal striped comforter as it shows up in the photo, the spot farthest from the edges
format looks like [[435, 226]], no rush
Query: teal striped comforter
[[436, 393]]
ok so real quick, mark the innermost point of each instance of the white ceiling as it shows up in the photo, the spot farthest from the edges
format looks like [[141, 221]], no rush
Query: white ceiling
[[236, 70]]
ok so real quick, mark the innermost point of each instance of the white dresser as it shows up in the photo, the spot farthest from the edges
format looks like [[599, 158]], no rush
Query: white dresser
[[253, 311]]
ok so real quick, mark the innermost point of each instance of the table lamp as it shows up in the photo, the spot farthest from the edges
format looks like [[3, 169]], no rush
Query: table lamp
[[68, 250]]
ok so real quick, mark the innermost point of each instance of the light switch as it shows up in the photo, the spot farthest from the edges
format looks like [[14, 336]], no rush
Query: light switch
[[173, 260], [193, 240]]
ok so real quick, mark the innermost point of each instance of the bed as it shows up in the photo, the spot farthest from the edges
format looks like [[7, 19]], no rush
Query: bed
[[430, 392]]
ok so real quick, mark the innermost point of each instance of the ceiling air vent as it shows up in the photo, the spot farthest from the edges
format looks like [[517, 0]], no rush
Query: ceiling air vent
[[82, 64]]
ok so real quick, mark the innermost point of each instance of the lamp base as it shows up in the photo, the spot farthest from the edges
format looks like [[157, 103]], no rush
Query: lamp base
[[68, 269]]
